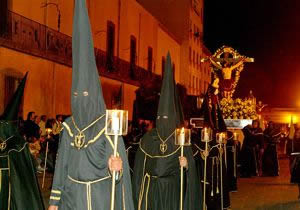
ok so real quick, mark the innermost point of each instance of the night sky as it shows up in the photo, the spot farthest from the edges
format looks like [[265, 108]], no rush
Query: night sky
[[269, 31]]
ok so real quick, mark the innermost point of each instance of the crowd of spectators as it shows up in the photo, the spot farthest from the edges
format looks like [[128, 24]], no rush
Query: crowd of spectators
[[40, 131]]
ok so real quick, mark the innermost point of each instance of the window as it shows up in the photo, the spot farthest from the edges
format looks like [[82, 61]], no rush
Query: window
[[195, 30], [200, 86], [163, 62], [110, 44], [150, 58], [132, 58], [4, 16], [199, 36], [193, 57], [193, 82], [191, 29], [132, 51]]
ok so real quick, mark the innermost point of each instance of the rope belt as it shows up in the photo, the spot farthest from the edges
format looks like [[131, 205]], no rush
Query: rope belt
[[147, 177], [88, 188], [2, 169], [233, 150]]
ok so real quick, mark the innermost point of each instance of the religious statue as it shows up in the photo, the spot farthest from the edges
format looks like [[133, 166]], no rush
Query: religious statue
[[227, 64], [260, 106], [251, 98]]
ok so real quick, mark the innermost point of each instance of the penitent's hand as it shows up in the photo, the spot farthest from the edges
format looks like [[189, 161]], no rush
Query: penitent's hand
[[183, 162], [115, 163], [53, 208]]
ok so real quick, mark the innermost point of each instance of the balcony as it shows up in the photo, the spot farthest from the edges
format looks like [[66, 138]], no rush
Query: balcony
[[30, 37]]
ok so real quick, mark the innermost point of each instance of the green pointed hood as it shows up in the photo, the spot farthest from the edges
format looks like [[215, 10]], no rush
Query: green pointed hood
[[166, 115], [12, 109], [179, 109], [87, 102]]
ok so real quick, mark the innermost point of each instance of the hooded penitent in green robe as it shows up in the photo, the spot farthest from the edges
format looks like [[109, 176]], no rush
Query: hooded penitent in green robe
[[213, 119], [156, 179], [19, 187], [82, 180]]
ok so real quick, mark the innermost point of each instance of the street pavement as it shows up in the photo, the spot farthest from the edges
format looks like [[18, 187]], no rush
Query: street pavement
[[267, 193], [258, 193], [47, 187]]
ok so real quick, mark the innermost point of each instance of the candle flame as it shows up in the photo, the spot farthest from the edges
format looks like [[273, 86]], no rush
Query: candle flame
[[182, 130]]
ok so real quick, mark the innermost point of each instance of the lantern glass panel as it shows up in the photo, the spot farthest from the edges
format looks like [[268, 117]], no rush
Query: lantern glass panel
[[116, 122], [221, 137], [206, 134], [183, 137]]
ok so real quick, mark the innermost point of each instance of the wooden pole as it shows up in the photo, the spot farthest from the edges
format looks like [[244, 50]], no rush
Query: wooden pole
[[221, 173], [44, 174], [204, 179], [181, 182], [225, 153], [113, 186]]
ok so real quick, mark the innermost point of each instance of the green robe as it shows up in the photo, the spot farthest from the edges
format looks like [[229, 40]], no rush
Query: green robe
[[82, 180], [19, 189], [213, 175], [156, 180]]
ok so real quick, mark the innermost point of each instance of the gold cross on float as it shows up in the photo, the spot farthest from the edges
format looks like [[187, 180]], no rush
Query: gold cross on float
[[227, 65]]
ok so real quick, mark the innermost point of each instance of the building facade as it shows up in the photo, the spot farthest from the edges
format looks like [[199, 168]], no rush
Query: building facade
[[130, 47], [185, 20]]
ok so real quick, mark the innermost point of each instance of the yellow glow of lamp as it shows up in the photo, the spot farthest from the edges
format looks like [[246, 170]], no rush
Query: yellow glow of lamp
[[206, 135], [221, 137], [290, 118], [48, 130], [116, 122], [235, 136], [183, 137]]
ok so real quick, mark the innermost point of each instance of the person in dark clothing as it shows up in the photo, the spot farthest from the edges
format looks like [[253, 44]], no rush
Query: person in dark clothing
[[156, 177], [19, 187], [217, 189], [31, 129], [85, 161], [293, 152], [258, 138], [232, 147], [248, 153], [270, 166]]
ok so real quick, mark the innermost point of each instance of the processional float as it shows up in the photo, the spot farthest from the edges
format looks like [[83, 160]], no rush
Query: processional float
[[226, 64]]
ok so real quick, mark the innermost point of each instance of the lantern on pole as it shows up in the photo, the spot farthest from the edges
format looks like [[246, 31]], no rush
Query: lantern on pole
[[116, 125], [182, 138]]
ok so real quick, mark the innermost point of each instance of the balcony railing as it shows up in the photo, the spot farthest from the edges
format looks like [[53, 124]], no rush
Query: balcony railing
[[30, 37]]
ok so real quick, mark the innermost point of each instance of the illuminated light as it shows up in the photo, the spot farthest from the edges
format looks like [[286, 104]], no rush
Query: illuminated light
[[291, 118]]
